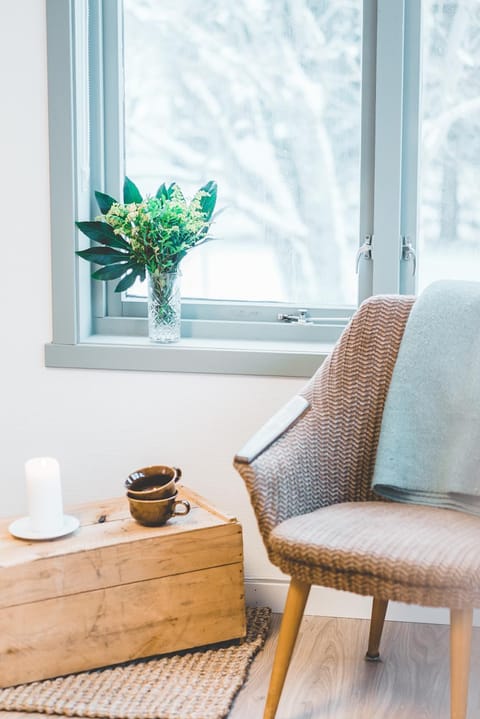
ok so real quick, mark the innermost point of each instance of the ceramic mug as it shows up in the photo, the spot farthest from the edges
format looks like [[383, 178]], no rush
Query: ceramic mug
[[157, 482], [155, 512]]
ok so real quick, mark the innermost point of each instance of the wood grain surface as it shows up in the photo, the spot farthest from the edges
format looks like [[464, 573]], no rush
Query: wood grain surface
[[115, 590], [329, 678]]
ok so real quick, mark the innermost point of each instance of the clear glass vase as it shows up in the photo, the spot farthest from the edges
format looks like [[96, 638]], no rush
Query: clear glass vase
[[164, 305]]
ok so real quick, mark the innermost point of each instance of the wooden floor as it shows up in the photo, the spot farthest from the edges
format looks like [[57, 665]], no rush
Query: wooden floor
[[329, 679]]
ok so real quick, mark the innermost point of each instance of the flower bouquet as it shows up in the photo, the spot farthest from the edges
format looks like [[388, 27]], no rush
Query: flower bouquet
[[148, 238]]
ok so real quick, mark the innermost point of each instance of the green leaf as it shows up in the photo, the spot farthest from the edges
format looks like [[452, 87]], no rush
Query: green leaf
[[209, 187], [162, 192], [208, 201], [104, 202], [112, 272], [165, 192], [127, 281], [131, 192], [103, 255], [103, 234]]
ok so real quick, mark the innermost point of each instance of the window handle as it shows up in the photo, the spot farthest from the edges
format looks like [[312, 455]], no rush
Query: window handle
[[364, 251], [408, 253], [302, 317]]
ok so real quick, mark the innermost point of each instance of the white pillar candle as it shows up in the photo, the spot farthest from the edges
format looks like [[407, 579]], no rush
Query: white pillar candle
[[44, 494]]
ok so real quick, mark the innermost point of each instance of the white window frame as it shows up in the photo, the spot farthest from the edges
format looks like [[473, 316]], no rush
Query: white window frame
[[92, 326]]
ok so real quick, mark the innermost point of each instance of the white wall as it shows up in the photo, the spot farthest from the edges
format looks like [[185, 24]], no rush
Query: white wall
[[101, 425]]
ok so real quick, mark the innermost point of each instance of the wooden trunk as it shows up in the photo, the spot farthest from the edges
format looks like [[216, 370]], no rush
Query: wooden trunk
[[115, 591]]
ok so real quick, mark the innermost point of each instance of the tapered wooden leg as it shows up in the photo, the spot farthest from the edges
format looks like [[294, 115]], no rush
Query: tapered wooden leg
[[379, 609], [460, 640], [292, 617]]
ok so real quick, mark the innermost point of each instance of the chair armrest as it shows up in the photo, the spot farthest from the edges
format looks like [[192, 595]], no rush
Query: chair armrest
[[280, 464], [273, 429]]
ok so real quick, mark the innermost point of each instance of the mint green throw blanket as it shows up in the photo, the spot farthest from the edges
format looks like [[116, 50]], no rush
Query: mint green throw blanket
[[429, 446]]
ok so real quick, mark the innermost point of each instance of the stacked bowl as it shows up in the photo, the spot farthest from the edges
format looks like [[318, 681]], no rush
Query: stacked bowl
[[152, 495]]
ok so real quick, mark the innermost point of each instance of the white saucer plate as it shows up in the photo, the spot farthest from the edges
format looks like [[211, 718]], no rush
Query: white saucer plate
[[21, 529]]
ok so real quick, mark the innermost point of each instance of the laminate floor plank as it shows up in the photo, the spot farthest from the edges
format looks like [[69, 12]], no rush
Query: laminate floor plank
[[329, 678]]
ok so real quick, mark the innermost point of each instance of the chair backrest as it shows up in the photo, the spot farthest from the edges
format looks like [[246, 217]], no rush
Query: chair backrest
[[349, 392], [328, 456]]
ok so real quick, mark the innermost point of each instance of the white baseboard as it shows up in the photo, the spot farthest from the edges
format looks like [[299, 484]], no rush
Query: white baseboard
[[331, 603]]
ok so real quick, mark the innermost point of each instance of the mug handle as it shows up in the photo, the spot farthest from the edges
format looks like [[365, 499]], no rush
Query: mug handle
[[185, 503], [177, 475]]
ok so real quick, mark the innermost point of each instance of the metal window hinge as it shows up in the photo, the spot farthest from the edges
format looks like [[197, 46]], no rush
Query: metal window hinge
[[408, 253], [364, 251]]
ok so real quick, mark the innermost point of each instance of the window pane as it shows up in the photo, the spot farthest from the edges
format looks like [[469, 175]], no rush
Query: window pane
[[262, 96], [450, 150]]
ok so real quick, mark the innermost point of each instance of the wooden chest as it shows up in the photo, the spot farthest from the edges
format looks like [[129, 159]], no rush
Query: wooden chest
[[115, 591]]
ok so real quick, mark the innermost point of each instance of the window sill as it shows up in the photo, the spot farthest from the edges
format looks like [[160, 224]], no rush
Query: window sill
[[239, 357]]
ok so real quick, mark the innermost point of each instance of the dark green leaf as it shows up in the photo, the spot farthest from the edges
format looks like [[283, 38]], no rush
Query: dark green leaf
[[127, 282], [162, 192], [209, 187], [112, 272], [165, 192], [103, 255], [102, 233], [131, 192], [208, 201], [104, 202]]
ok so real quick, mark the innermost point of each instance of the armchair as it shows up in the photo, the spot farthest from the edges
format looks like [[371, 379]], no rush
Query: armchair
[[308, 473]]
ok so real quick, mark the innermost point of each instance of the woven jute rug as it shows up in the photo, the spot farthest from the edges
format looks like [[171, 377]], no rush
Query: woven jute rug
[[198, 684]]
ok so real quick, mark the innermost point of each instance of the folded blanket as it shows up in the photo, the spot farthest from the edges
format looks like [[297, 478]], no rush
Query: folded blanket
[[429, 446]]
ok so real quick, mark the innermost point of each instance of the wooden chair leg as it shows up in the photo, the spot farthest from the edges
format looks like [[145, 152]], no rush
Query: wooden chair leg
[[460, 641], [292, 617], [379, 610]]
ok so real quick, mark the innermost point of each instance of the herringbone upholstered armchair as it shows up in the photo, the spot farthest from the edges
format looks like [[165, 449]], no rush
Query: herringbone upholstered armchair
[[309, 472]]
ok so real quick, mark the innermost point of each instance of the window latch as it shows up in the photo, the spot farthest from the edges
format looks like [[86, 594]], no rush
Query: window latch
[[364, 251], [300, 317], [408, 253]]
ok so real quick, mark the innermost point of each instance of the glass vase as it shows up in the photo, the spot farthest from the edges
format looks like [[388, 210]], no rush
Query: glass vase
[[164, 306]]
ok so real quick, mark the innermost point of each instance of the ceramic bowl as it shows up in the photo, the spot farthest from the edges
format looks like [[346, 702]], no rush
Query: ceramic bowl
[[155, 512], [157, 482]]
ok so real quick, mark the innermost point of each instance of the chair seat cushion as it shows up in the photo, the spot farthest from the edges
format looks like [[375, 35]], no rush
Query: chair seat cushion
[[410, 553]]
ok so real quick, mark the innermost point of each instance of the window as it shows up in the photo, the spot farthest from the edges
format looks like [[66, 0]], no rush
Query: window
[[317, 120], [450, 149], [265, 98]]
